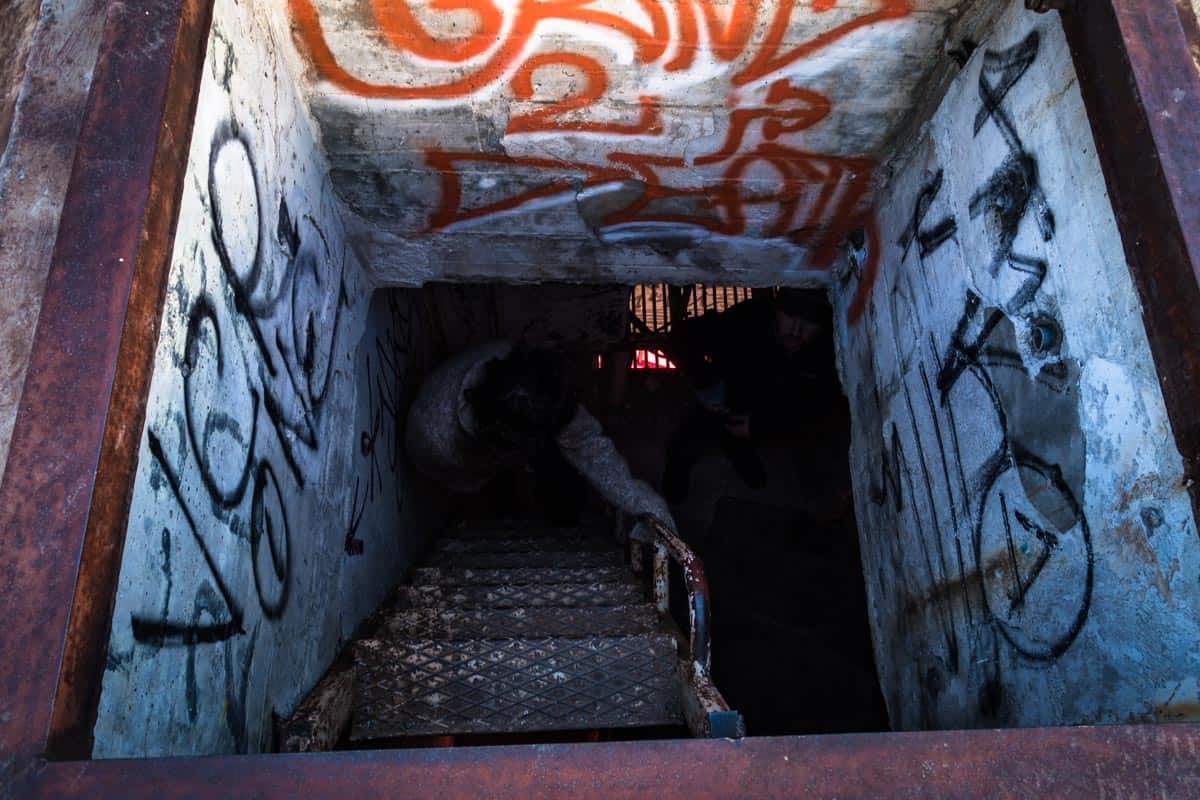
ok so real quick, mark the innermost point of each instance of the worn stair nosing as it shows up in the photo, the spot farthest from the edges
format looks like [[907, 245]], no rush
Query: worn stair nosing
[[519, 622], [518, 576], [475, 533], [564, 595], [548, 544], [560, 559]]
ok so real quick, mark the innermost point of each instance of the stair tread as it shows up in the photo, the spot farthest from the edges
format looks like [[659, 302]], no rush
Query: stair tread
[[529, 544], [517, 576], [555, 559], [564, 595], [417, 687], [511, 623], [476, 532]]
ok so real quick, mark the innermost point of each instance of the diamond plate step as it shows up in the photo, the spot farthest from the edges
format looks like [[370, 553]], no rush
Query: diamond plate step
[[546, 544], [563, 595], [559, 560], [516, 623], [517, 576], [520, 532], [419, 687]]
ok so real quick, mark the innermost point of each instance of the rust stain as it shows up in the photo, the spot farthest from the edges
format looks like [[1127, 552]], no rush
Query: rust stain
[[1144, 488], [1131, 537]]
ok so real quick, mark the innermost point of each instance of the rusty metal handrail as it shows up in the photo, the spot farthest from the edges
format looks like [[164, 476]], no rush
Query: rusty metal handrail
[[705, 710], [668, 545]]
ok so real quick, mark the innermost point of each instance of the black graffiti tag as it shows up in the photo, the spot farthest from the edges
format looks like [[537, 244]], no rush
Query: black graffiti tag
[[930, 238], [293, 353]]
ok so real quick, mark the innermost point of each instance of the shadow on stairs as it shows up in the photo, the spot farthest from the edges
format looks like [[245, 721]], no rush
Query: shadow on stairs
[[511, 634]]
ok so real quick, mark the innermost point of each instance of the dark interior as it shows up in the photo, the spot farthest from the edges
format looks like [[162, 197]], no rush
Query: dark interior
[[791, 642]]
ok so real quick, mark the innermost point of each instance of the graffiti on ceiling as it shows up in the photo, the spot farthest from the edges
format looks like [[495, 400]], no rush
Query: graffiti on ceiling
[[630, 118]]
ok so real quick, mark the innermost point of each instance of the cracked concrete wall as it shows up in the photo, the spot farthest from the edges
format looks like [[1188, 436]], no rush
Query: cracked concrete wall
[[614, 140], [271, 510], [44, 82], [1028, 545]]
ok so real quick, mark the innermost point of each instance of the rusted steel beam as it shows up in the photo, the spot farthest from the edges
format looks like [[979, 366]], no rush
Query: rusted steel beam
[[64, 500], [1142, 92], [1117, 761]]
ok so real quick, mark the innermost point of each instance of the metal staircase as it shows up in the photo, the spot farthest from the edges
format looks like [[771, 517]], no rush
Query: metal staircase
[[511, 630]]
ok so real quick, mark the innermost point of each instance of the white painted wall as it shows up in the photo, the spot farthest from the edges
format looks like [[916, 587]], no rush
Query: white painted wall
[[269, 513], [969, 434], [626, 140]]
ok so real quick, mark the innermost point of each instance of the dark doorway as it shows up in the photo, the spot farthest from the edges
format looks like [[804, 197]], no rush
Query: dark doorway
[[791, 641]]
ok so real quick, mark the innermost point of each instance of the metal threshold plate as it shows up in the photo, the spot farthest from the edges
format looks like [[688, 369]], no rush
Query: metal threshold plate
[[551, 559]]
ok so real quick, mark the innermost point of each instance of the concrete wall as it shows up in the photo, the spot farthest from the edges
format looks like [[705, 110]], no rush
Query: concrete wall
[[1028, 546], [47, 52], [269, 510], [17, 24], [624, 140]]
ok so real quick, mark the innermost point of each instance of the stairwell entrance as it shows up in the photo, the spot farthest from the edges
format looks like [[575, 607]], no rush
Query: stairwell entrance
[[517, 629], [206, 495]]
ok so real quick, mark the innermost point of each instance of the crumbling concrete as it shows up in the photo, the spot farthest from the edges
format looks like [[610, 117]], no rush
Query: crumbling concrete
[[1029, 549]]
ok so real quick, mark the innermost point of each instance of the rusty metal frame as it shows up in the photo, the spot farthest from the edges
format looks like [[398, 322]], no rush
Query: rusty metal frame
[[669, 547], [65, 496], [1117, 761], [64, 499], [1142, 93]]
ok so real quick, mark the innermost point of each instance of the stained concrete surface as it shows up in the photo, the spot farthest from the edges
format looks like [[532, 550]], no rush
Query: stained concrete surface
[[50, 70], [1029, 546]]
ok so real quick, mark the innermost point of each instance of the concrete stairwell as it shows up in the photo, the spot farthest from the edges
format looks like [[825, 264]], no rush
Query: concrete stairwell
[[512, 630]]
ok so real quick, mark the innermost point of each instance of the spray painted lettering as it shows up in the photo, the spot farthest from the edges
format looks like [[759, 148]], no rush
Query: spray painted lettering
[[257, 349], [991, 524], [560, 68]]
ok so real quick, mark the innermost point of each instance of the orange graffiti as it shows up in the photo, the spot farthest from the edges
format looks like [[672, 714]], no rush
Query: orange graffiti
[[729, 39], [401, 27], [405, 33], [836, 190], [808, 198], [776, 120], [595, 83]]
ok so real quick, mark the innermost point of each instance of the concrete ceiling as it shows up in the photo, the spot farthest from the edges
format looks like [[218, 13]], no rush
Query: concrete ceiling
[[614, 132]]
